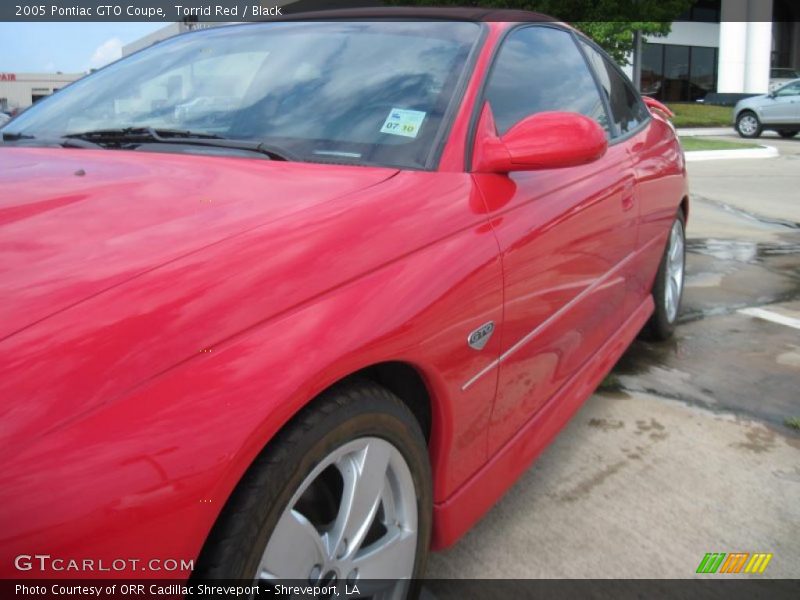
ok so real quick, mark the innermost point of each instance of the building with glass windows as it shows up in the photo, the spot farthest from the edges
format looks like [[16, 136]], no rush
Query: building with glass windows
[[19, 90], [724, 46]]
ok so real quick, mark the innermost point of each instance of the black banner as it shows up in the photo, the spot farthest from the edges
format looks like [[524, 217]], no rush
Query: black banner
[[224, 11], [711, 588]]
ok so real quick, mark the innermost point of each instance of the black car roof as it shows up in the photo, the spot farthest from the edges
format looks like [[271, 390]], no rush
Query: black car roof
[[423, 13]]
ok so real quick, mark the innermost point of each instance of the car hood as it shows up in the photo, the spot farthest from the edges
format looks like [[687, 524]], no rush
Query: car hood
[[77, 222], [753, 100]]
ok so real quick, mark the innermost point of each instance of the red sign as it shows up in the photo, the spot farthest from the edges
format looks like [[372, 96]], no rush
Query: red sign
[[8, 76]]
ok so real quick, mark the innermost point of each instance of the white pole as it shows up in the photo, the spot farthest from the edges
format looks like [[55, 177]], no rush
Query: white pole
[[759, 47], [732, 47]]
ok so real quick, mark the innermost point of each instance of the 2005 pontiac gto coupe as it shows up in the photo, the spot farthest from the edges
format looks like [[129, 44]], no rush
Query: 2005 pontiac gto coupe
[[302, 299]]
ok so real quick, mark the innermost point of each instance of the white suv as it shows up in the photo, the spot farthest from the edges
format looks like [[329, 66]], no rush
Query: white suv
[[777, 111]]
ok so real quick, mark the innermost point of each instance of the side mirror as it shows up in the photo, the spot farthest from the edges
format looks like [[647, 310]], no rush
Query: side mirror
[[546, 140]]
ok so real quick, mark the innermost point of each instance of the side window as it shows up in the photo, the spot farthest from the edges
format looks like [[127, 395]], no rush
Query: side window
[[541, 69], [627, 109], [793, 89]]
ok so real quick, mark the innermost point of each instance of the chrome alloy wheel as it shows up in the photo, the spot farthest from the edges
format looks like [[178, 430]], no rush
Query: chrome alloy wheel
[[748, 125], [353, 518], [673, 274]]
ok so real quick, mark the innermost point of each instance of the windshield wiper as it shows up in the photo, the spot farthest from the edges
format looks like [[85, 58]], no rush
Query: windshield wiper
[[125, 134], [147, 135], [62, 141], [13, 137]]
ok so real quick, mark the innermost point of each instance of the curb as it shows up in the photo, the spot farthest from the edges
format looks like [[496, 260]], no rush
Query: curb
[[701, 155], [705, 131]]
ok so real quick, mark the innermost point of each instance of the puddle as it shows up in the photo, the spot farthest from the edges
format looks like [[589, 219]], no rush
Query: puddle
[[721, 366], [696, 314], [741, 250], [724, 276], [642, 356], [725, 365]]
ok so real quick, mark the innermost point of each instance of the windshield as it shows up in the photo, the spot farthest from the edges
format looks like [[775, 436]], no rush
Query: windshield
[[355, 92]]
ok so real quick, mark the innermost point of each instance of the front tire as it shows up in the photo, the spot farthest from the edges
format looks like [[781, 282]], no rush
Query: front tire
[[748, 125], [341, 495], [668, 287]]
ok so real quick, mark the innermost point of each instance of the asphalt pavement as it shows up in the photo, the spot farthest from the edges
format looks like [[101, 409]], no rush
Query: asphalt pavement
[[685, 449]]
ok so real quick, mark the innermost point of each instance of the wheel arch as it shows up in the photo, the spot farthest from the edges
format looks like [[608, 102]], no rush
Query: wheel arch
[[403, 379], [406, 382]]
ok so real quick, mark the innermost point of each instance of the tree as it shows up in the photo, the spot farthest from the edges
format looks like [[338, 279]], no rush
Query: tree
[[610, 23]]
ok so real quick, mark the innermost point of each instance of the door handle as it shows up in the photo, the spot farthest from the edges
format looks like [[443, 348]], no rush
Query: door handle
[[627, 197]]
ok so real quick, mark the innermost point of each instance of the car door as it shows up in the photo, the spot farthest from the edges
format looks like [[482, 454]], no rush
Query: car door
[[653, 153], [783, 107], [564, 234]]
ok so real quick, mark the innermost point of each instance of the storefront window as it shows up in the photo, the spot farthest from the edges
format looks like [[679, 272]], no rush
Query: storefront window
[[652, 69], [703, 11], [678, 73], [703, 70]]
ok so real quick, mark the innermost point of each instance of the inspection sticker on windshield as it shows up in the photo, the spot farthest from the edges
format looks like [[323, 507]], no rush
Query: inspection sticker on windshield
[[403, 122]]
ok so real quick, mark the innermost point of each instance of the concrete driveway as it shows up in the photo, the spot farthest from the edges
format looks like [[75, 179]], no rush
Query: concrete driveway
[[684, 450]]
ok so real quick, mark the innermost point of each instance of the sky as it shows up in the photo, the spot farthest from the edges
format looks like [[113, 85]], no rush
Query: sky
[[65, 47]]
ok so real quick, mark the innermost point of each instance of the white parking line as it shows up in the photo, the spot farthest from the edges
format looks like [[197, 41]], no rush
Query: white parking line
[[768, 315]]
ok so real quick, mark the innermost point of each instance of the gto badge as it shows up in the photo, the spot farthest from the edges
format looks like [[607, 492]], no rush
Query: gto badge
[[480, 337]]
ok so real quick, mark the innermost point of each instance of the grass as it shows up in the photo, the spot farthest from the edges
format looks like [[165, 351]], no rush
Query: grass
[[701, 115], [701, 143], [793, 422]]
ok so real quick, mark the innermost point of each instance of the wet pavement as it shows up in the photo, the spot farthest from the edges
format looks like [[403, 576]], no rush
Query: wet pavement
[[719, 358], [684, 450], [743, 252]]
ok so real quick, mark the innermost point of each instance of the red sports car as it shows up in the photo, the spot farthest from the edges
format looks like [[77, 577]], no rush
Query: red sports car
[[302, 299]]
